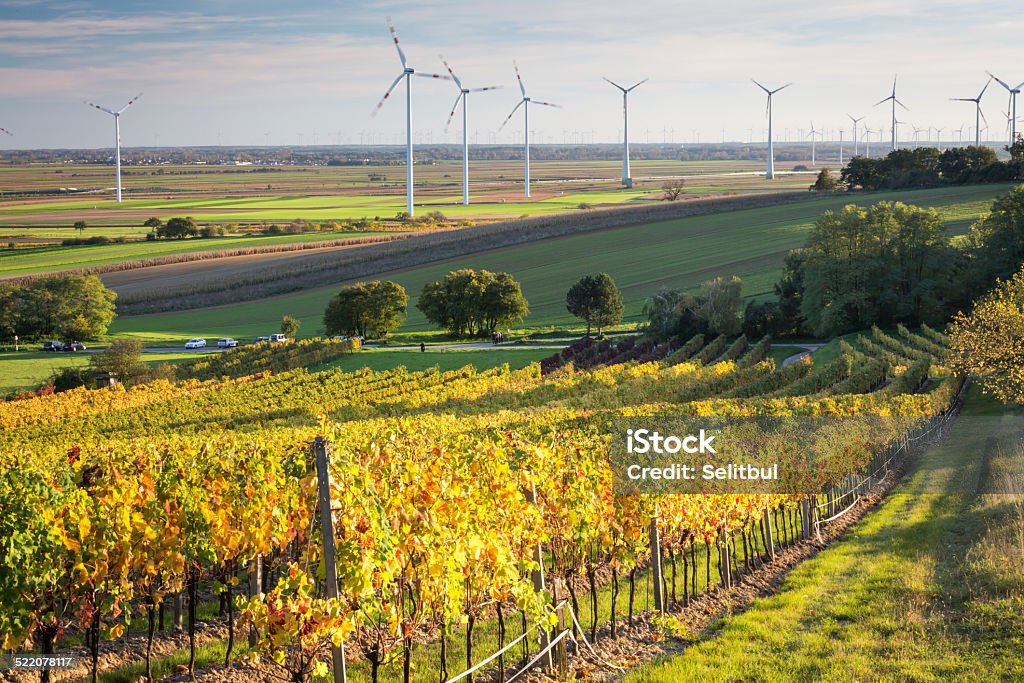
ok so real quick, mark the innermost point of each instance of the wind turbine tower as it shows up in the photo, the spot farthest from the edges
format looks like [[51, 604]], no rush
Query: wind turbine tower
[[812, 135], [770, 172], [117, 136], [463, 93], [978, 115], [627, 179], [407, 73], [856, 140], [525, 104], [1013, 105], [895, 101]]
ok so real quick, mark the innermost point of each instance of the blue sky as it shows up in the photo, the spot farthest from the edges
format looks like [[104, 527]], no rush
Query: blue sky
[[230, 72]]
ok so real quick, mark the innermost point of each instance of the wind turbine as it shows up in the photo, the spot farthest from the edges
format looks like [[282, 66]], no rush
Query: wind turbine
[[938, 137], [960, 136], [407, 71], [627, 179], [895, 101], [917, 135], [4, 130], [117, 136], [1013, 104], [526, 127], [856, 140], [770, 172], [463, 92], [977, 110], [812, 135]]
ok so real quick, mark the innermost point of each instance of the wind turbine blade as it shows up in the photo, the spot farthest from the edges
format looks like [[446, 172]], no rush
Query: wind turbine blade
[[454, 77], [452, 115], [637, 85], [987, 83], [96, 106], [394, 36], [130, 103], [963, 99], [387, 94], [489, 87], [999, 80], [423, 74], [782, 88], [614, 83], [522, 88], [510, 114], [902, 105], [881, 101], [1019, 85], [4, 130], [546, 104], [760, 86], [894, 86]]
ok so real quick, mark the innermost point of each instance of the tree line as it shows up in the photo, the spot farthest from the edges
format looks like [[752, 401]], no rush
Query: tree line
[[886, 264], [928, 167]]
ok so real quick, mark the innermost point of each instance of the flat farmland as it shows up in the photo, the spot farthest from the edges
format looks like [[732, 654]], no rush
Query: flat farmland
[[257, 194], [642, 258]]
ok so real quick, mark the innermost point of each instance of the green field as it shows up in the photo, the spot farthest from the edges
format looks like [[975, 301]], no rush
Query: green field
[[930, 587], [642, 259], [49, 258], [28, 369]]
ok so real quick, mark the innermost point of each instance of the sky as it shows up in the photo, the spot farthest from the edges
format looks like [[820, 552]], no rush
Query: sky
[[253, 72]]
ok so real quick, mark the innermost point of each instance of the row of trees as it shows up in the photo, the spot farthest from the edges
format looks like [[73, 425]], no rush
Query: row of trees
[[465, 303], [928, 167], [179, 228], [62, 307]]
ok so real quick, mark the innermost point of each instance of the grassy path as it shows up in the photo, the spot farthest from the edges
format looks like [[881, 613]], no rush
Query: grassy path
[[930, 587]]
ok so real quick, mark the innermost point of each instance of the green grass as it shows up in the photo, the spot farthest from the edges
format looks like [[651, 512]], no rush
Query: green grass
[[29, 367], [899, 598], [643, 258]]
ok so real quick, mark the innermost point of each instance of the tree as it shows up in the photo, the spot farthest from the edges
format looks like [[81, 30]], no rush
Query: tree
[[595, 299], [881, 265], [153, 223], [716, 309], [367, 309], [826, 182], [65, 306], [997, 240], [473, 303], [989, 341], [123, 358], [290, 326], [673, 190], [80, 226], [178, 228]]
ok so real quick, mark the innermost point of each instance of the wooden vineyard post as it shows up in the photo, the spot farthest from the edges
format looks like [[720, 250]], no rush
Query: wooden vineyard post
[[255, 588], [768, 533], [538, 582], [725, 562], [323, 486], [560, 661], [179, 603], [656, 579]]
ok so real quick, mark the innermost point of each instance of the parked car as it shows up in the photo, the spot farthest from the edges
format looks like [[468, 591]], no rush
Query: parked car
[[73, 346], [278, 338], [227, 343], [195, 343], [53, 346], [262, 339]]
